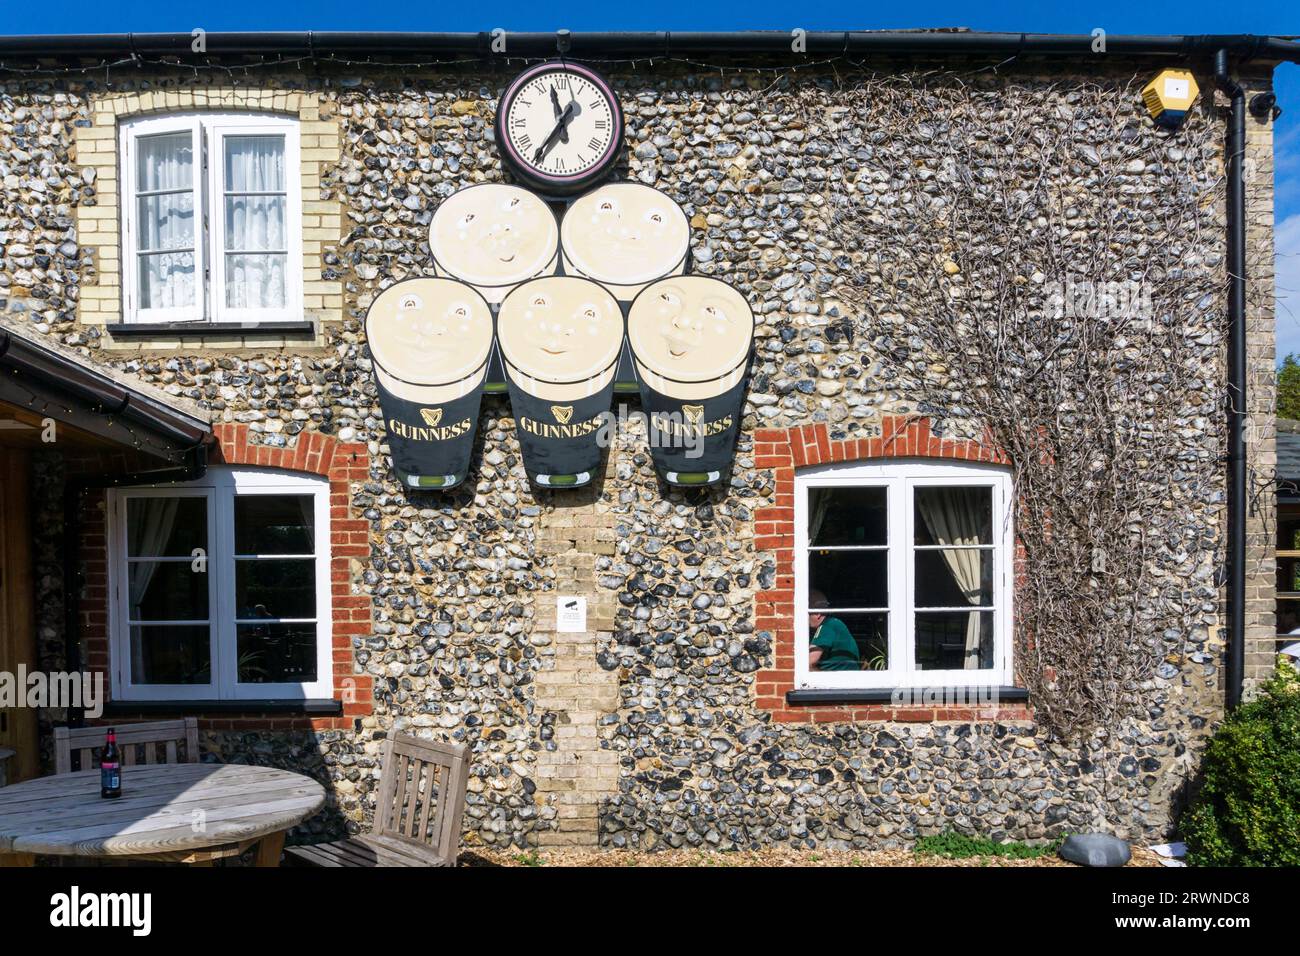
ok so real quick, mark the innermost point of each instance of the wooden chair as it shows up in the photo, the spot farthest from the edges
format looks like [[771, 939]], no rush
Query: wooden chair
[[149, 738], [417, 818], [5, 754]]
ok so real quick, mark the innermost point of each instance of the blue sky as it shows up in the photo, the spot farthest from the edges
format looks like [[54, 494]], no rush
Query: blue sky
[[1277, 17]]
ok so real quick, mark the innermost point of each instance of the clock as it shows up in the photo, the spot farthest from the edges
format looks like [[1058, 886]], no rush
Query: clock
[[559, 127]]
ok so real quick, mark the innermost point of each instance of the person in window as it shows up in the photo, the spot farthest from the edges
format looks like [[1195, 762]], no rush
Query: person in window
[[830, 645]]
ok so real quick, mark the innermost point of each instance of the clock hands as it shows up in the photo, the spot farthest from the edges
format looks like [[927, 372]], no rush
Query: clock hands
[[560, 125], [555, 105]]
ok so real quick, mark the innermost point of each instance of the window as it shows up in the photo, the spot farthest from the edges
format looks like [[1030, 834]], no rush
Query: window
[[902, 576], [220, 588], [211, 218]]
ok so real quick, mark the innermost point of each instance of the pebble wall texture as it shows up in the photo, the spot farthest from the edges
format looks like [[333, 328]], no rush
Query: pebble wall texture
[[458, 581]]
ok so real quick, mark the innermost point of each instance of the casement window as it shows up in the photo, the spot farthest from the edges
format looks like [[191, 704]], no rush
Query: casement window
[[219, 588], [908, 567], [211, 218]]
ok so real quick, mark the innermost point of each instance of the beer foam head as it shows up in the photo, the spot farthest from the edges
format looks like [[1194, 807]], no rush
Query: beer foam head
[[690, 328], [560, 329], [493, 235], [625, 233], [429, 331]]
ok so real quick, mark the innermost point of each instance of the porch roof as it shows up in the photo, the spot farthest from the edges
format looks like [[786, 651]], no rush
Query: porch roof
[[103, 407]]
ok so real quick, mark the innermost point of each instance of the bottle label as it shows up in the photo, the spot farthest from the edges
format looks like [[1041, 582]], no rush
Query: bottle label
[[110, 776]]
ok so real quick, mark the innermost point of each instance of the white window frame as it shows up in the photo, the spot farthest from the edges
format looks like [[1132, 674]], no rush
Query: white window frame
[[219, 487], [901, 479], [209, 131]]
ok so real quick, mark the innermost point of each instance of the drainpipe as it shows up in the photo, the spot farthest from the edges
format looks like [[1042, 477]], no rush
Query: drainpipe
[[1235, 151], [196, 464]]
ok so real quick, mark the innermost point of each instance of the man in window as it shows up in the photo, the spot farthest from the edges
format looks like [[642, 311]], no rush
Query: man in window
[[830, 645]]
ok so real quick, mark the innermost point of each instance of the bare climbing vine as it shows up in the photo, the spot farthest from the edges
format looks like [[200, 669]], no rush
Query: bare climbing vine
[[1044, 273]]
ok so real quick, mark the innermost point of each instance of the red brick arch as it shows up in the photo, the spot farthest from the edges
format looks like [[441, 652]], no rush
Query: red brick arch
[[783, 450]]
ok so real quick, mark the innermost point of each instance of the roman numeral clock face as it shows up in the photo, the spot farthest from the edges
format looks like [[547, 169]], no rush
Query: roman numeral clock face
[[559, 127]]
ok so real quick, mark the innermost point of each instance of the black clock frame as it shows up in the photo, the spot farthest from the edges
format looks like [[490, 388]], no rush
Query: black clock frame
[[558, 186]]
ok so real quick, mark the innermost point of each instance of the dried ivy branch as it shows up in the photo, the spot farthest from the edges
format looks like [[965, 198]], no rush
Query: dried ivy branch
[[987, 214]]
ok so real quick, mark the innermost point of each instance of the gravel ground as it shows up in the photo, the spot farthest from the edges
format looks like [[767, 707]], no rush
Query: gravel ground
[[772, 857]]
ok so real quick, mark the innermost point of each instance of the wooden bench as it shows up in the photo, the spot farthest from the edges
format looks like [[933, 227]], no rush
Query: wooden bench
[[5, 754], [418, 814], [148, 737]]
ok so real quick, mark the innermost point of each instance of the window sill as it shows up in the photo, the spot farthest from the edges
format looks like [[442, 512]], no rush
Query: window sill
[[326, 707], [126, 330], [911, 696]]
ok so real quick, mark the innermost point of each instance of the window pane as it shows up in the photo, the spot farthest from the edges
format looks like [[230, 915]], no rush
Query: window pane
[[851, 642], [165, 221], [255, 282], [954, 577], [254, 164], [954, 640], [277, 653], [167, 281], [840, 516], [171, 655], [275, 588], [166, 526], [165, 162], [951, 514], [167, 591], [255, 223], [275, 524], [850, 578]]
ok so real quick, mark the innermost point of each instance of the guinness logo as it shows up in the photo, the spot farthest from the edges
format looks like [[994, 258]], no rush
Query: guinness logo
[[431, 416], [694, 413], [562, 413]]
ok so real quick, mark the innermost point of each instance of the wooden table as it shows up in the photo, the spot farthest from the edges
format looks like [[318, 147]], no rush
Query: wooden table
[[180, 813]]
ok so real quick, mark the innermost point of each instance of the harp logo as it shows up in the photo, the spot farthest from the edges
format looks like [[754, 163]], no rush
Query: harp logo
[[694, 414], [431, 416], [562, 413]]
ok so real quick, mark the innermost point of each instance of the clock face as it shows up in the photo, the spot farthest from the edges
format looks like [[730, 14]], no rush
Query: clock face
[[559, 126]]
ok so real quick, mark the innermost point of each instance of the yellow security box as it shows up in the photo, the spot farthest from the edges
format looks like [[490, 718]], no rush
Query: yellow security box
[[1169, 96]]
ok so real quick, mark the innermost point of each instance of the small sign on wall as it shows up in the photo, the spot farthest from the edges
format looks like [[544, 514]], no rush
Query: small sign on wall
[[570, 614]]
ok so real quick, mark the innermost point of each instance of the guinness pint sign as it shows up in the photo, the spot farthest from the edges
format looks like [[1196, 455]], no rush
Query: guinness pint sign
[[560, 340], [691, 339], [430, 340]]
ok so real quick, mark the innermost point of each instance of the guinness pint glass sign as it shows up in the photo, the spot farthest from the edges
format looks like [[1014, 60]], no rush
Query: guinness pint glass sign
[[494, 237], [624, 236], [430, 340], [560, 339], [691, 339]]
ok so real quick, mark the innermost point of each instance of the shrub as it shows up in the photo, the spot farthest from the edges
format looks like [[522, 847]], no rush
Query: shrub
[[958, 846], [1248, 810]]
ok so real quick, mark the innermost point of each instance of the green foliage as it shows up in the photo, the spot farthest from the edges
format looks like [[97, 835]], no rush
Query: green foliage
[[531, 858], [1288, 388], [958, 846], [1248, 811]]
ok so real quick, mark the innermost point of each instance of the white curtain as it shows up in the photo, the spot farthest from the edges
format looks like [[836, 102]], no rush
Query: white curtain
[[149, 525], [954, 517], [165, 214], [256, 207]]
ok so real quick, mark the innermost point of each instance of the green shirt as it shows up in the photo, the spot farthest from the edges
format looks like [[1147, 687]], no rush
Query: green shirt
[[839, 649]]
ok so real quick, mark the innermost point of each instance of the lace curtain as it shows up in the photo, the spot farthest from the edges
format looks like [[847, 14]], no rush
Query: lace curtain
[[255, 202], [165, 214]]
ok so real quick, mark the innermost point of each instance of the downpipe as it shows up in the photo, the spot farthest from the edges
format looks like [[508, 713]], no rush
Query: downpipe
[[1235, 152]]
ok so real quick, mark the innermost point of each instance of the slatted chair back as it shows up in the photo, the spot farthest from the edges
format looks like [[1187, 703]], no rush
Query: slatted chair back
[[175, 741], [422, 793]]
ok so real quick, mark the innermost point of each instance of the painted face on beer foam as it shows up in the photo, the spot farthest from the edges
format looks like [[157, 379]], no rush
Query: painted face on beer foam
[[560, 329], [429, 331], [625, 233], [493, 235], [690, 328]]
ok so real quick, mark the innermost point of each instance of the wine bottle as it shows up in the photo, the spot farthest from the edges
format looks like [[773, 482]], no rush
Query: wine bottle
[[110, 769]]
